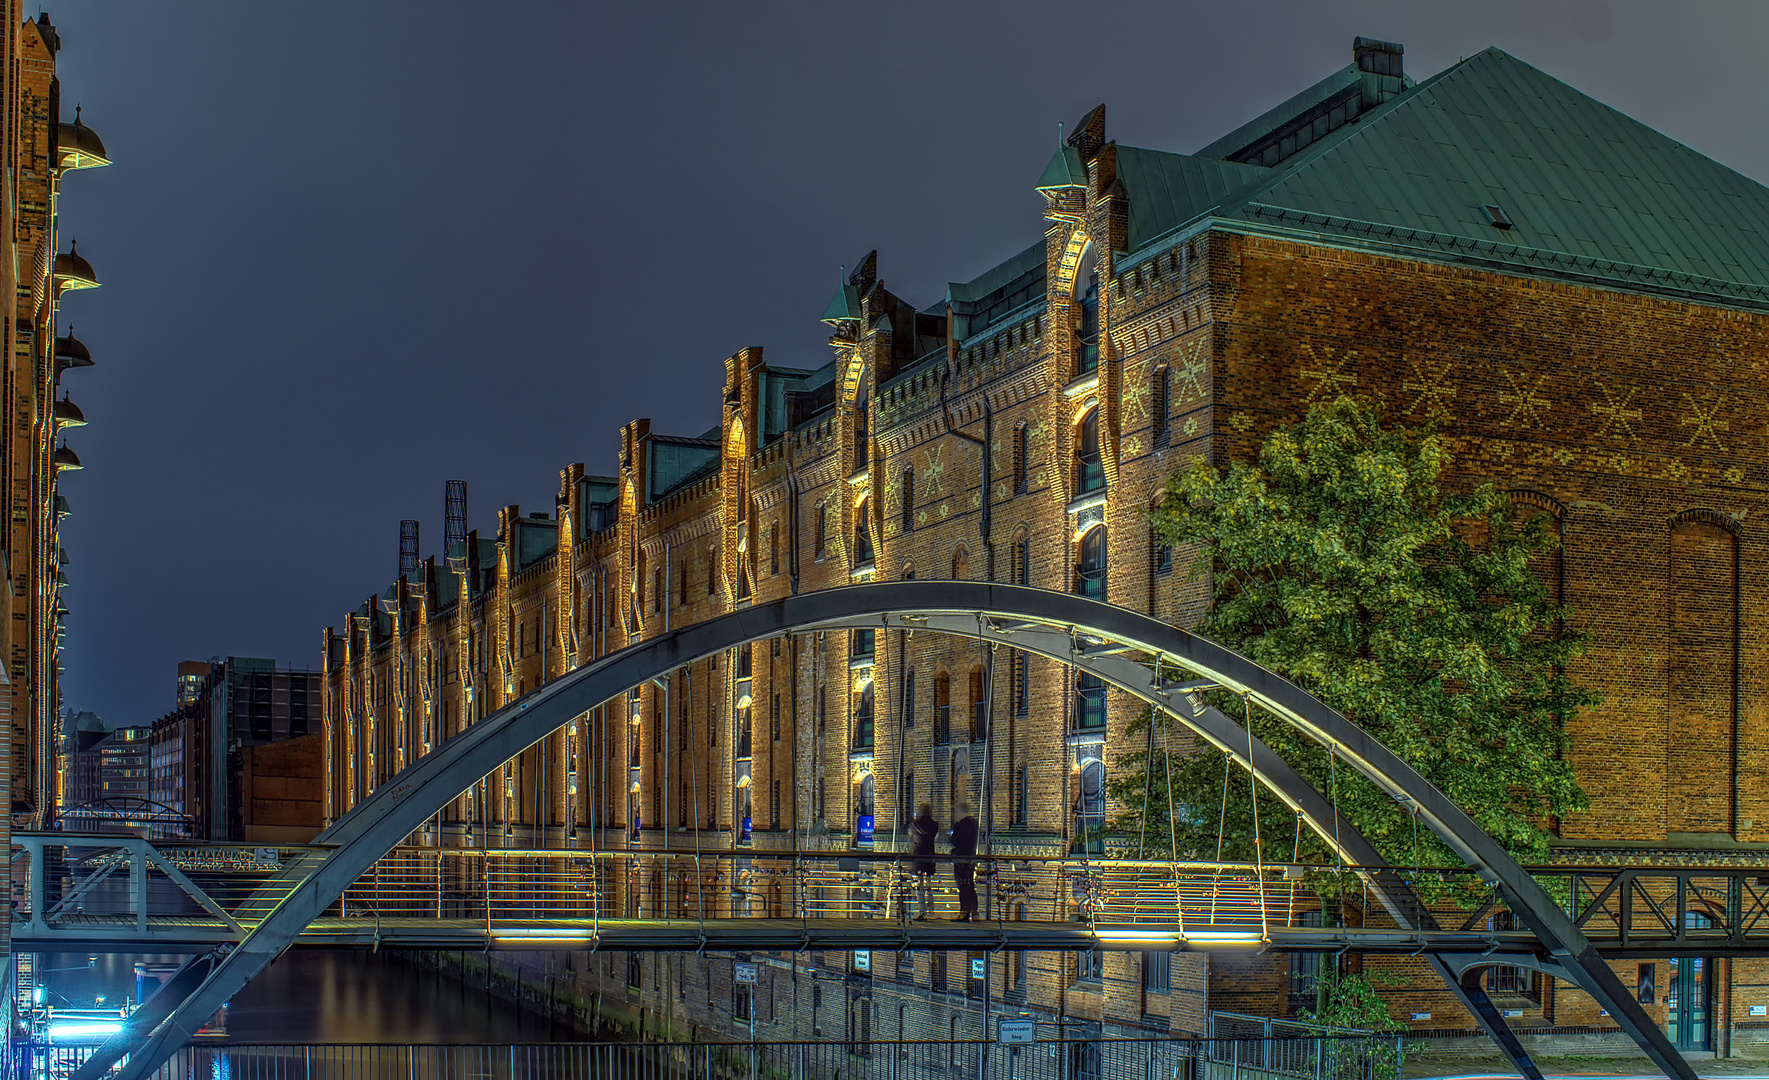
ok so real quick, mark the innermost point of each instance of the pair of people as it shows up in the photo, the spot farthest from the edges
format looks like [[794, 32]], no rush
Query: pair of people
[[963, 839]]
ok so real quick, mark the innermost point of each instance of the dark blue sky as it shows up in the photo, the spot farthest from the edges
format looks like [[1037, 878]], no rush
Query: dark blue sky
[[353, 250]]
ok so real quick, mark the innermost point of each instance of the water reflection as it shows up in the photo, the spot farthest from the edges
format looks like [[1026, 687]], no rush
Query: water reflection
[[325, 996]]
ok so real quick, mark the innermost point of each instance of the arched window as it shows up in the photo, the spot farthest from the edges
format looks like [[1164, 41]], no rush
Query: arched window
[[863, 534], [960, 564], [1022, 547], [1087, 317], [1090, 806], [942, 707], [820, 534], [908, 500], [1090, 570], [1160, 555], [1090, 469], [868, 793], [1159, 395], [1021, 453], [979, 706]]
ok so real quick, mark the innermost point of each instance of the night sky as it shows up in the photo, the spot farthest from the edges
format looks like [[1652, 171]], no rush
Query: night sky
[[350, 251]]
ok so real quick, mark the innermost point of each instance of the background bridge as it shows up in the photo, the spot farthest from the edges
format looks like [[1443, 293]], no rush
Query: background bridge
[[1156, 663]]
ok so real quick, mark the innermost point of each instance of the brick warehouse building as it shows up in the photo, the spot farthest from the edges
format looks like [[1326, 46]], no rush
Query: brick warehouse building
[[1582, 302]]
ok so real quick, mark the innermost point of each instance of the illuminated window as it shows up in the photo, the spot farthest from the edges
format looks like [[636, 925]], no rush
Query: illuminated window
[[1090, 469]]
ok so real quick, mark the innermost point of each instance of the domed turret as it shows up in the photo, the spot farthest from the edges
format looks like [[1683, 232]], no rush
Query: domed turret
[[65, 458], [71, 352], [78, 146], [73, 272], [67, 414]]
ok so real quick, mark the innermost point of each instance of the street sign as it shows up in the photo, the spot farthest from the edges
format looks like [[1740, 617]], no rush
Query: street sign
[[746, 973], [1015, 1032]]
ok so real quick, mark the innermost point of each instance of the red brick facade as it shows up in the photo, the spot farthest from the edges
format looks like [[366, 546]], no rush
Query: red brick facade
[[953, 441]]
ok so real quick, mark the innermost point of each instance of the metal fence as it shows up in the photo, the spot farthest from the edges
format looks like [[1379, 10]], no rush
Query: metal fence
[[1307, 1057]]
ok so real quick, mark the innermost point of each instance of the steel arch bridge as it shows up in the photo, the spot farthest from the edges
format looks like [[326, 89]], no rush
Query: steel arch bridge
[[1109, 642]]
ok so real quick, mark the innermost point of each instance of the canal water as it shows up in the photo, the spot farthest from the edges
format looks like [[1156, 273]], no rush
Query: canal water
[[324, 996]]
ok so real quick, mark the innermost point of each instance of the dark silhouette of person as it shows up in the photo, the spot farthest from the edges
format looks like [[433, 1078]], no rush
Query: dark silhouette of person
[[964, 842], [922, 832]]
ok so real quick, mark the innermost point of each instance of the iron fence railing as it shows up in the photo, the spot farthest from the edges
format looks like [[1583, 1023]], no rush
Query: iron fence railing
[[1304, 1057]]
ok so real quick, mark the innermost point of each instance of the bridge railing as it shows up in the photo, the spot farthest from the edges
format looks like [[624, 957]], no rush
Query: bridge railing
[[1052, 1057], [62, 880]]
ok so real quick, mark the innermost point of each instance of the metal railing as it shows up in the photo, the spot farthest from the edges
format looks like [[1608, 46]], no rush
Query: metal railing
[[1306, 1057], [69, 885]]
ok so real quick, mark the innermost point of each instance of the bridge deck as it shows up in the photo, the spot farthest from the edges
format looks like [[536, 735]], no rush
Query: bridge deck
[[181, 933]]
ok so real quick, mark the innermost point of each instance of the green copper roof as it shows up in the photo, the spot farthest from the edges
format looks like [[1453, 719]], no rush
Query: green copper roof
[[1064, 171], [845, 305], [1340, 82], [1589, 191], [1167, 190]]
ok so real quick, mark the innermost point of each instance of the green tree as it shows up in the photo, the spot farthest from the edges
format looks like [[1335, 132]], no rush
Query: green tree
[[1339, 562]]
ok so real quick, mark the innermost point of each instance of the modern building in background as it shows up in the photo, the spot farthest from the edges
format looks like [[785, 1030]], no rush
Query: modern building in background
[[1578, 301], [106, 767], [200, 749]]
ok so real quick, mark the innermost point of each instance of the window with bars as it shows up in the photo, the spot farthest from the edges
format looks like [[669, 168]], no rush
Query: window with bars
[[774, 717], [909, 698], [908, 505], [774, 548]]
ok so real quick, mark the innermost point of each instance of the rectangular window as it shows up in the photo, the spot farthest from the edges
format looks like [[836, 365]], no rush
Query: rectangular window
[[774, 717], [1157, 972], [820, 536], [1090, 966], [774, 548], [1022, 798], [774, 807]]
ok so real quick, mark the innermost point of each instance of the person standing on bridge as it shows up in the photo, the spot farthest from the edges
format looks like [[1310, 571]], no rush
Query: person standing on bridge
[[922, 833], [964, 842]]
